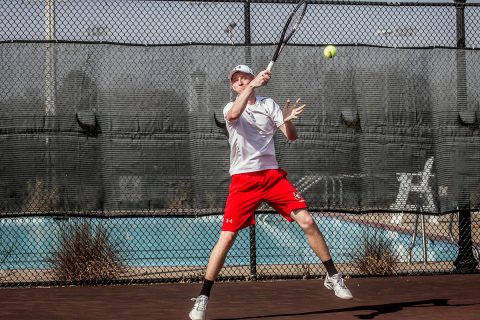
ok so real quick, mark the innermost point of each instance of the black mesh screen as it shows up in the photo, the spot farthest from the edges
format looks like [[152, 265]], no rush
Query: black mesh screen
[[107, 122]]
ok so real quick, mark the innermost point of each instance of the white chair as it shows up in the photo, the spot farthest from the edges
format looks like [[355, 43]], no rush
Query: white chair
[[414, 182]]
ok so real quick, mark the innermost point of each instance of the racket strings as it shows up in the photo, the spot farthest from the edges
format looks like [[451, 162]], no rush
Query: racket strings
[[295, 21]]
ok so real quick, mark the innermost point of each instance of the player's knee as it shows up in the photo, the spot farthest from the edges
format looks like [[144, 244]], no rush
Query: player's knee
[[227, 238], [305, 220], [308, 223]]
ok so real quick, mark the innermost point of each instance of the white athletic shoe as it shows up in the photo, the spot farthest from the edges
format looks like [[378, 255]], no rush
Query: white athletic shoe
[[199, 310], [336, 284]]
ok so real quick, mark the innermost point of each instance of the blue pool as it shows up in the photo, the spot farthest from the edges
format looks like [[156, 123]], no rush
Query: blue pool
[[28, 243]]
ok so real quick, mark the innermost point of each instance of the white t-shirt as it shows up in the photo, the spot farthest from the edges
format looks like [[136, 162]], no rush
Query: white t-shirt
[[251, 136]]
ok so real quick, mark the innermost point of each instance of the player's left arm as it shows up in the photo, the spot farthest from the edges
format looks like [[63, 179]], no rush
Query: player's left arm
[[290, 113]]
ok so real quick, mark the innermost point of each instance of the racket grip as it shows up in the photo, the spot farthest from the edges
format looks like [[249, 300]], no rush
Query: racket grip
[[270, 66]]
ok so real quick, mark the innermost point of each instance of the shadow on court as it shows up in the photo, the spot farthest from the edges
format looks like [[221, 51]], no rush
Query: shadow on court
[[453, 297], [377, 309]]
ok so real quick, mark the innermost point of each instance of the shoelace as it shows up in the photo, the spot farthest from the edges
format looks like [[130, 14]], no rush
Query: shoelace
[[341, 283], [200, 304], [338, 279]]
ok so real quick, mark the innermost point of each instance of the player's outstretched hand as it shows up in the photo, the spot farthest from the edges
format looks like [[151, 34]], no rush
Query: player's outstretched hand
[[293, 112]]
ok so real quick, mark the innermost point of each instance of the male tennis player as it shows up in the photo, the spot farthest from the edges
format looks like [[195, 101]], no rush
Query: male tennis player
[[252, 122]]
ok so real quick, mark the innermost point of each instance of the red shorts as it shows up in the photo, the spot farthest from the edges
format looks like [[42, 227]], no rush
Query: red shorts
[[248, 190]]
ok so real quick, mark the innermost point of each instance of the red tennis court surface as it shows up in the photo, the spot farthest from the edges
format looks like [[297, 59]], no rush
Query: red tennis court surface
[[454, 297]]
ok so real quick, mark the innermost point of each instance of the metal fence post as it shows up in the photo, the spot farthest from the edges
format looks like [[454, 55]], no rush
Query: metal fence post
[[465, 261], [253, 254], [248, 39]]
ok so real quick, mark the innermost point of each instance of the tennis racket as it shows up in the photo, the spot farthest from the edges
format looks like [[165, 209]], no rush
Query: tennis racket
[[289, 29]]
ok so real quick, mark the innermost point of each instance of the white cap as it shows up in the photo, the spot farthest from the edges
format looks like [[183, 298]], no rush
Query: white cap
[[240, 68]]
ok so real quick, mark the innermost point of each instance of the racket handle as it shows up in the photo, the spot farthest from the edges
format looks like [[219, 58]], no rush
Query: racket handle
[[270, 66]]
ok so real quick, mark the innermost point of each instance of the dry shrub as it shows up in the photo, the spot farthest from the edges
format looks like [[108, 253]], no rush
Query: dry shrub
[[378, 258], [86, 255]]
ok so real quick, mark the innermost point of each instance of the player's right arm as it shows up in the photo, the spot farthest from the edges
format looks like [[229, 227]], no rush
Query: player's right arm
[[247, 92], [239, 104]]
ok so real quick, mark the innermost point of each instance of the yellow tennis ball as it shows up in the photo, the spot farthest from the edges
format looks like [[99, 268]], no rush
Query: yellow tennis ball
[[330, 51]]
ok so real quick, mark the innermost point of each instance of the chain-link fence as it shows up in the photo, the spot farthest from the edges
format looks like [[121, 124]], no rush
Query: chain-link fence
[[114, 164]]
